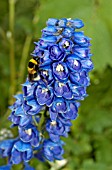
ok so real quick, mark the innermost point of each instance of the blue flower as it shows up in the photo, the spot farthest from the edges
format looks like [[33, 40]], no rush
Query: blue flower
[[52, 21], [44, 95], [62, 23], [21, 152], [80, 78], [28, 90], [64, 63], [35, 107], [44, 58], [56, 53], [81, 52], [66, 45], [30, 134], [57, 128], [80, 39], [76, 23], [68, 32], [18, 117], [31, 105], [59, 106], [60, 71], [73, 63], [47, 75], [46, 41], [72, 112], [53, 150], [51, 30], [19, 100], [6, 147], [79, 92], [63, 90], [5, 167]]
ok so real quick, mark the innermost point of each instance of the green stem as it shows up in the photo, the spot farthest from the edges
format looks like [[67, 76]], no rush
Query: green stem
[[42, 119], [35, 121], [2, 33], [11, 49], [24, 57]]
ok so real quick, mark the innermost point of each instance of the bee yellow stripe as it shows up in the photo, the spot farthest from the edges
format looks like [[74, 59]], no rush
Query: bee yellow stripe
[[33, 61], [31, 71]]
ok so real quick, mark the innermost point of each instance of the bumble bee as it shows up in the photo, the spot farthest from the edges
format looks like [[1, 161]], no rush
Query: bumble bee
[[33, 67]]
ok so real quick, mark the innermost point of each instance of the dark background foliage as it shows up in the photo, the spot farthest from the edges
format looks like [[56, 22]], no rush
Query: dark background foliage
[[89, 145]]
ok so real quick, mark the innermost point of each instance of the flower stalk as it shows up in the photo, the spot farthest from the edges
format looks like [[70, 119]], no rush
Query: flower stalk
[[11, 49], [57, 81]]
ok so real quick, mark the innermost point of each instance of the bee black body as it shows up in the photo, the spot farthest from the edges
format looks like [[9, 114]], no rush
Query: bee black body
[[33, 67]]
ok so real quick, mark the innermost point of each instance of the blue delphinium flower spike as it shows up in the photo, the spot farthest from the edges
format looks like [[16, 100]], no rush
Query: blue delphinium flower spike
[[58, 75], [5, 167]]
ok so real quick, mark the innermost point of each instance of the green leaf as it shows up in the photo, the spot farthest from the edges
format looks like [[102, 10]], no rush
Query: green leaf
[[96, 109], [90, 165], [17, 167], [25, 24], [103, 150], [101, 44]]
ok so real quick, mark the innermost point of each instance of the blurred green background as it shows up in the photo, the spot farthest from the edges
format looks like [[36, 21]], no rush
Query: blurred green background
[[89, 145]]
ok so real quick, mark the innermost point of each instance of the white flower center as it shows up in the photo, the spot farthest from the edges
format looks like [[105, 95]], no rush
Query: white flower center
[[44, 90], [76, 63], [28, 131], [59, 68], [51, 148], [45, 73], [66, 44], [61, 84], [74, 87], [58, 104], [53, 123], [69, 23]]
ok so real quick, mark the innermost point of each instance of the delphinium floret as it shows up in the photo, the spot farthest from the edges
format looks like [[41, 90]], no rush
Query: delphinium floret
[[56, 83]]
